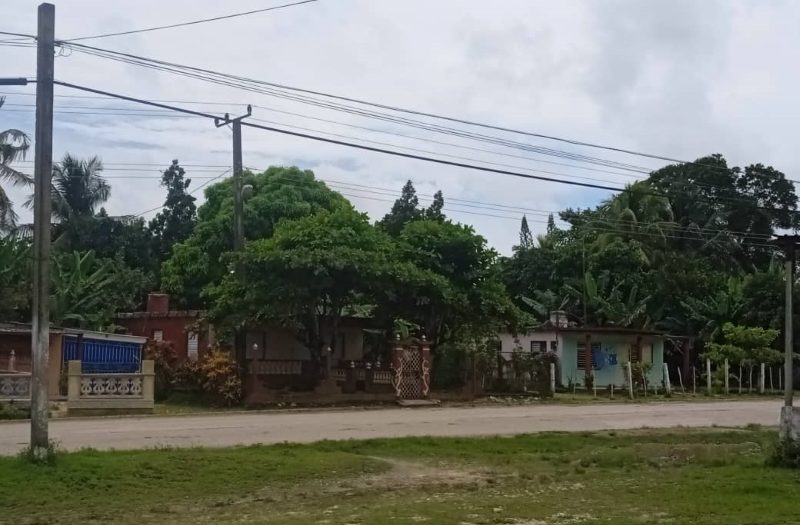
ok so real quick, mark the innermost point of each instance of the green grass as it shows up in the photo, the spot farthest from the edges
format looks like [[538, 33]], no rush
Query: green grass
[[679, 477]]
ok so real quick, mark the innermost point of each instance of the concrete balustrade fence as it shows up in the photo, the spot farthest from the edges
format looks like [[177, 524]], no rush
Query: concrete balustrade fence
[[105, 393]]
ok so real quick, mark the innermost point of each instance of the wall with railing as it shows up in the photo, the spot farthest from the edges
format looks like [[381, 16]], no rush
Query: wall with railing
[[110, 392]]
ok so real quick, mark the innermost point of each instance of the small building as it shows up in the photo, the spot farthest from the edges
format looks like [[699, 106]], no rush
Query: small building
[[99, 352], [187, 330], [611, 349]]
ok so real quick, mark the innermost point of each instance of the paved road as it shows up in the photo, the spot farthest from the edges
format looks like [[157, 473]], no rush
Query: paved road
[[274, 427]]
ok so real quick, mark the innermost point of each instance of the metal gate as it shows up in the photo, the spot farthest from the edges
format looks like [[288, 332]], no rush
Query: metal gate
[[411, 374]]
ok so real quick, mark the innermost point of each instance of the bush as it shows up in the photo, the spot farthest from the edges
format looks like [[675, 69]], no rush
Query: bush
[[165, 360], [214, 378], [786, 453], [12, 410]]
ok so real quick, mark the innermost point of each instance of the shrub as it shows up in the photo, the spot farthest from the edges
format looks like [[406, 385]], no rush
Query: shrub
[[214, 378], [165, 359], [786, 453]]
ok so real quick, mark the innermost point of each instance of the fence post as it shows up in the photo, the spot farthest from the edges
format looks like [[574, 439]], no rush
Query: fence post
[[740, 379], [553, 379], [12, 361], [708, 376], [761, 380], [680, 380], [727, 375], [630, 380], [771, 384], [667, 383], [694, 380], [73, 380], [594, 384], [148, 380]]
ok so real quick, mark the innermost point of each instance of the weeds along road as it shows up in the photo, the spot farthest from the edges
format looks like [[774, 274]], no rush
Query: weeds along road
[[220, 429]]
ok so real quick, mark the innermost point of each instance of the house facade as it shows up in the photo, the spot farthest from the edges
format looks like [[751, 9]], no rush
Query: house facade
[[98, 352], [611, 349], [190, 335]]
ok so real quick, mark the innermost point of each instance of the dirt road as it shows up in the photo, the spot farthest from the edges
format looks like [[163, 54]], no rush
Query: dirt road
[[274, 427]]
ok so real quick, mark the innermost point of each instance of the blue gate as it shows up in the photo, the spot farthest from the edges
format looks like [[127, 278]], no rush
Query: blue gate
[[103, 356]]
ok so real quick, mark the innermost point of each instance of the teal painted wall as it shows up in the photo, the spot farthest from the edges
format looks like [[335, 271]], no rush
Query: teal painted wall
[[614, 353]]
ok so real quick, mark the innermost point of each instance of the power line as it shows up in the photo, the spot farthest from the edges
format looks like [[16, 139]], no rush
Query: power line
[[191, 23], [252, 85], [354, 126], [412, 112], [374, 149]]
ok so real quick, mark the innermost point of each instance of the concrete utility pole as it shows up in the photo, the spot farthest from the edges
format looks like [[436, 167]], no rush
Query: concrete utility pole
[[790, 416], [42, 173], [238, 208]]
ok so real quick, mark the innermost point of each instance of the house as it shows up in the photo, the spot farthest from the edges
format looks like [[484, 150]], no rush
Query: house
[[99, 352], [187, 330], [278, 361], [611, 349]]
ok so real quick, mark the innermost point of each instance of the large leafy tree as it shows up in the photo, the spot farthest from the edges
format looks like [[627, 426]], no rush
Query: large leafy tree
[[86, 290], [468, 294], [310, 274], [175, 222], [404, 210], [278, 194], [14, 144], [15, 278]]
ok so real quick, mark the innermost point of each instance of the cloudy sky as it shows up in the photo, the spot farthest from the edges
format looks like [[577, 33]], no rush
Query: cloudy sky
[[675, 78]]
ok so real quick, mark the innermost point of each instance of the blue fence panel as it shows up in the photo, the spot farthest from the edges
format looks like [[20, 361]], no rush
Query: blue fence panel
[[100, 356]]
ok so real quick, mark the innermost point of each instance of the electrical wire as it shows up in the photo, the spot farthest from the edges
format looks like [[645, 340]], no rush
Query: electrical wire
[[190, 23]]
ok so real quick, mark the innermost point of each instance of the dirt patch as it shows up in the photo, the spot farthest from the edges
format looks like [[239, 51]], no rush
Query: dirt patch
[[409, 473]]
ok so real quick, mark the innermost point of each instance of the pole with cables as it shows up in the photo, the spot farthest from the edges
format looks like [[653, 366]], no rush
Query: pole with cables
[[790, 416], [238, 213], [43, 168]]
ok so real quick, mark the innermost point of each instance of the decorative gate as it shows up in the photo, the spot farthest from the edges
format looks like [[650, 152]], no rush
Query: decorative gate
[[412, 371]]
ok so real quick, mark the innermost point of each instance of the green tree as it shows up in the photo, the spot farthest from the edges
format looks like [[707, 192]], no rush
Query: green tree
[[14, 144], [309, 274], [278, 194], [525, 235], [175, 222], [78, 188], [15, 279], [404, 210], [87, 290], [435, 212]]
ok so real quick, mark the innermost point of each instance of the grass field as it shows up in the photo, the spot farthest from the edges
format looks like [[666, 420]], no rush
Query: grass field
[[677, 477]]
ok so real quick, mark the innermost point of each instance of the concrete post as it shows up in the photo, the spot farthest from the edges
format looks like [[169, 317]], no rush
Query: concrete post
[[726, 377], [761, 381], [708, 376], [667, 381], [630, 380], [148, 380], [73, 380], [12, 361], [553, 378], [680, 380]]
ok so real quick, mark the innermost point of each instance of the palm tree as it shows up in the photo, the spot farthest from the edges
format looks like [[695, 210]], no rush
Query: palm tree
[[78, 188], [14, 145]]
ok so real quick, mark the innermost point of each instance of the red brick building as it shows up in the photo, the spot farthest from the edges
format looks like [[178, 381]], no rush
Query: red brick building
[[185, 329]]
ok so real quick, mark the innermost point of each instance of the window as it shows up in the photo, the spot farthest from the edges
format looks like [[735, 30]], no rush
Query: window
[[537, 347], [581, 357], [158, 335], [554, 346], [191, 345], [635, 354]]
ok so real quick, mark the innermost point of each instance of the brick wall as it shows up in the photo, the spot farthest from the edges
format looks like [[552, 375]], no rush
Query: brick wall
[[173, 328]]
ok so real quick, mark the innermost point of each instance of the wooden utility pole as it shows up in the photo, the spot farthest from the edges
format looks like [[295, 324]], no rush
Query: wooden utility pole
[[790, 417], [42, 173], [238, 212]]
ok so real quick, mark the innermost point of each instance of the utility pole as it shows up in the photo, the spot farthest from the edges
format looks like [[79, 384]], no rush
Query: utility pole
[[238, 211], [790, 416], [42, 173]]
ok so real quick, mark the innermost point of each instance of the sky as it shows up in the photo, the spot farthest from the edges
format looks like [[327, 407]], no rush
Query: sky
[[678, 78]]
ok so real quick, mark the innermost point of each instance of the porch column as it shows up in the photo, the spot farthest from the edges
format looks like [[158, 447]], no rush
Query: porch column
[[425, 357], [587, 356]]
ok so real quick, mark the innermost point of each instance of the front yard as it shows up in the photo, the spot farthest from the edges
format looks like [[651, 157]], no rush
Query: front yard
[[679, 477]]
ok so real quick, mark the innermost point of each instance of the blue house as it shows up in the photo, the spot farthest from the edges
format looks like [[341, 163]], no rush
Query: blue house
[[611, 349]]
